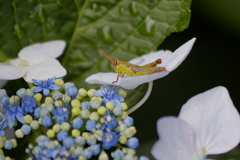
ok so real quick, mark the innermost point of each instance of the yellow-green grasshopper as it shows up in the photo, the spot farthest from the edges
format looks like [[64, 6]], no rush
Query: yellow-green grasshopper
[[129, 69]]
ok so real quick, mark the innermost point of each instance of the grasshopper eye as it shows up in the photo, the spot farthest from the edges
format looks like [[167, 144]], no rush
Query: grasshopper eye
[[115, 63]]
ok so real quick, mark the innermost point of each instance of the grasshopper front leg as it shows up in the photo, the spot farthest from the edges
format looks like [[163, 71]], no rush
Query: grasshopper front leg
[[116, 79], [122, 75]]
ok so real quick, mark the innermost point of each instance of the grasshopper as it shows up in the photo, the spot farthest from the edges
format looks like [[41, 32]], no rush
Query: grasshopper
[[124, 68]]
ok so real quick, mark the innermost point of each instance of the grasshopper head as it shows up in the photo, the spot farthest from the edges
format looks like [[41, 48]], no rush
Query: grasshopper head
[[115, 63]]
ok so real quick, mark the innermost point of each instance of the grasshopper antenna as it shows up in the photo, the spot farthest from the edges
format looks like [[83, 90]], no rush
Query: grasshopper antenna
[[105, 54]]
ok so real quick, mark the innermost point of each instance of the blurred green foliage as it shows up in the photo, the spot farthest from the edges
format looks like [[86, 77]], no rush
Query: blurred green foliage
[[124, 29]]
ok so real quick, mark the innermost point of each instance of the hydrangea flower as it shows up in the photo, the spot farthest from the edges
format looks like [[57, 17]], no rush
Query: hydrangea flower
[[28, 102], [207, 124], [13, 112], [61, 114], [110, 94], [37, 61], [72, 129], [109, 139], [169, 60], [45, 85]]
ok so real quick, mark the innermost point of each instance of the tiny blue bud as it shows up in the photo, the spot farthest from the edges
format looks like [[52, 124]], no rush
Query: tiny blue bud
[[68, 84], [117, 111], [133, 142], [143, 158], [26, 129], [8, 144], [37, 112], [77, 122], [91, 140], [87, 153], [80, 141], [61, 135], [86, 105], [41, 138], [90, 125], [72, 91], [95, 149], [2, 133], [2, 157], [44, 112], [95, 103], [56, 95], [68, 142], [47, 121], [128, 121]]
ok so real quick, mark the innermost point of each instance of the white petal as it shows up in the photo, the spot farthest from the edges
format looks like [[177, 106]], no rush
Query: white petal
[[103, 78], [176, 140], [42, 71], [151, 57], [179, 55], [51, 49], [11, 72], [127, 82], [214, 119], [131, 82]]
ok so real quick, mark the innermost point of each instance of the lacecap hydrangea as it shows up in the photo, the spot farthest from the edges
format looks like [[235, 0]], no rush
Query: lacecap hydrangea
[[70, 123]]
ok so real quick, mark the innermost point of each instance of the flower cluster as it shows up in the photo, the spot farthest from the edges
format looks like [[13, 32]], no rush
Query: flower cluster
[[71, 123]]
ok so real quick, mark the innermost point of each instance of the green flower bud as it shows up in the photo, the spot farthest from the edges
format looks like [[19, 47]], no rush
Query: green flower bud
[[34, 124], [122, 92], [1, 143], [59, 82], [76, 133], [14, 99], [28, 119], [82, 92], [48, 100], [122, 139], [66, 98], [103, 156], [56, 128], [90, 93], [85, 113], [110, 105], [75, 103], [124, 106], [102, 110], [38, 97], [65, 126], [19, 133], [94, 116], [75, 111], [82, 157], [58, 103], [50, 133], [98, 134], [128, 132], [14, 143]]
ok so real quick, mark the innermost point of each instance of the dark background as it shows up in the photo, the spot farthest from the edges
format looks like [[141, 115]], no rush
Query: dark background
[[213, 61]]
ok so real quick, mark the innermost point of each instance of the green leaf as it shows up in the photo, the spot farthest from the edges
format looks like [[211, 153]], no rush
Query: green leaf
[[122, 28]]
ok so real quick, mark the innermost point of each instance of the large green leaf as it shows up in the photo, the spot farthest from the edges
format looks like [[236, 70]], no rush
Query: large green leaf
[[122, 28]]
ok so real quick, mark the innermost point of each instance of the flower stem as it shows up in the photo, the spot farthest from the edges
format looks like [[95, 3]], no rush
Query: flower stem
[[139, 104]]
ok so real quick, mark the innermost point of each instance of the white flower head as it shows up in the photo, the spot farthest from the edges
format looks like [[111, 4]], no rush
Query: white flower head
[[169, 60], [37, 61], [207, 124]]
